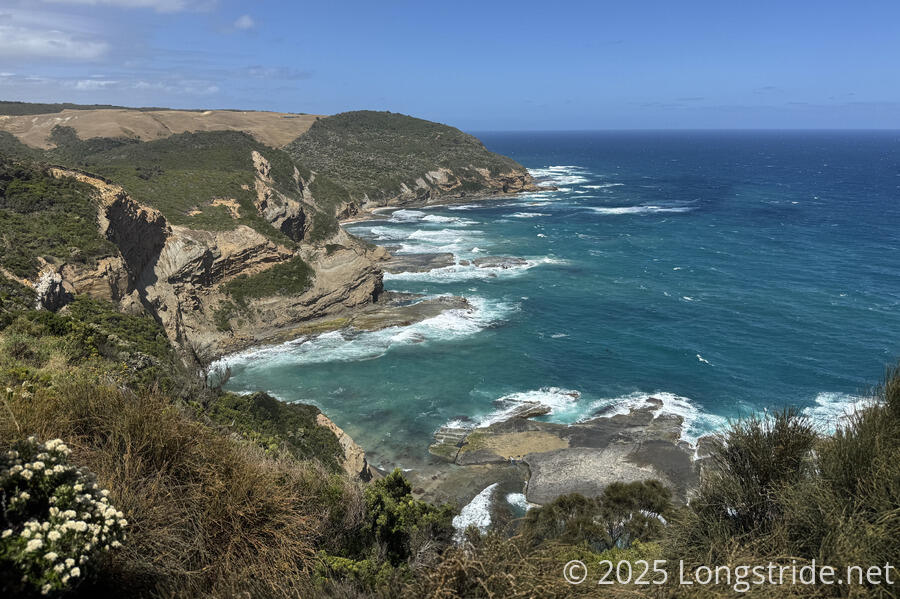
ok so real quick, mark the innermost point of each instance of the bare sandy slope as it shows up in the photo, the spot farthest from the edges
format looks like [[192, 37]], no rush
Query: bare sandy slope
[[272, 128]]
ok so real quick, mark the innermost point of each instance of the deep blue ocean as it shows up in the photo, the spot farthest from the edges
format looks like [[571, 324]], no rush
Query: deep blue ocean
[[724, 272]]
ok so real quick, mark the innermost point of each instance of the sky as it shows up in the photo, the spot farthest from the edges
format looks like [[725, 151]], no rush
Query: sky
[[486, 65]]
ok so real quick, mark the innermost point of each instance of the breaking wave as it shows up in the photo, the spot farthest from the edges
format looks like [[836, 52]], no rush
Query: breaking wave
[[351, 345], [615, 210], [476, 513], [464, 272]]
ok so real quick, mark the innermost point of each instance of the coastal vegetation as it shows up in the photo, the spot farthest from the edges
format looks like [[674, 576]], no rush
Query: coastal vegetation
[[288, 278], [227, 495], [45, 218], [372, 155]]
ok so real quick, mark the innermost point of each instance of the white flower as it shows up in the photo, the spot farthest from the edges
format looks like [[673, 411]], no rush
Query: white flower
[[78, 488], [54, 510], [37, 466], [65, 579], [104, 492], [69, 562], [24, 495], [75, 571], [58, 568], [51, 556], [45, 589], [34, 545], [123, 522], [6, 533], [54, 535], [26, 474]]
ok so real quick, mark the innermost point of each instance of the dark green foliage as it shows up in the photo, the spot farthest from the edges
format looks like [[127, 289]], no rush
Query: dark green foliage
[[395, 531], [14, 297], [758, 457], [775, 491], [11, 147], [24, 108], [42, 216], [90, 332], [181, 174], [284, 279], [139, 333], [277, 425], [399, 524], [624, 514], [374, 153]]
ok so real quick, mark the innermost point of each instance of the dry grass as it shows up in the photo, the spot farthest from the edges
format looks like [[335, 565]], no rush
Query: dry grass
[[210, 517], [275, 129]]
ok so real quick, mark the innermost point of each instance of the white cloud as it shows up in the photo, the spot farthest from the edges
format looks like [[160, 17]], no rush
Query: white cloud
[[94, 84], [244, 22], [31, 42], [158, 5]]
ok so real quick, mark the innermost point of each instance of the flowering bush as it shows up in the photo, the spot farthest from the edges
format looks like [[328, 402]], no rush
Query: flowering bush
[[54, 519]]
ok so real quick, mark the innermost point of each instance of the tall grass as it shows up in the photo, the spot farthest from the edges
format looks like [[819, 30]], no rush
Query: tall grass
[[210, 517]]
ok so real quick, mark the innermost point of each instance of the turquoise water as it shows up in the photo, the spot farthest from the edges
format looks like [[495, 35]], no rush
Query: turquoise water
[[723, 272]]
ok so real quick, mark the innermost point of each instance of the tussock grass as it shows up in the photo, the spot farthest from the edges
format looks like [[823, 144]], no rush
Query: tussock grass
[[210, 517]]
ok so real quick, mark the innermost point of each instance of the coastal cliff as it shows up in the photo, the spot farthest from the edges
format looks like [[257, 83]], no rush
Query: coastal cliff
[[228, 242], [386, 159]]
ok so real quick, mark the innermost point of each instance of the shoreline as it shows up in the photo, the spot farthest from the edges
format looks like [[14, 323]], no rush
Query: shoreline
[[450, 200]]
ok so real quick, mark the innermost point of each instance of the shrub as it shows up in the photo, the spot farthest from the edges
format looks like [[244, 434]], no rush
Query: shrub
[[285, 279], [55, 520], [208, 516], [625, 513]]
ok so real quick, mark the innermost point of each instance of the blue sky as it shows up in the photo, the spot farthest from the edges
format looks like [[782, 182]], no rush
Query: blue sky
[[484, 65]]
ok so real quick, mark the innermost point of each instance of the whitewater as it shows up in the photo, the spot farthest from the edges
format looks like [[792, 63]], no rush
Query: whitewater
[[723, 274]]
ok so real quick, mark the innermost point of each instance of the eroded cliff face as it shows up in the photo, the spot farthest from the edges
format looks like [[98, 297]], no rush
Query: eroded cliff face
[[177, 273]]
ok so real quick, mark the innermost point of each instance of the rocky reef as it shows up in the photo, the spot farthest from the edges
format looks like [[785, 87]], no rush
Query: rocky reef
[[549, 459]]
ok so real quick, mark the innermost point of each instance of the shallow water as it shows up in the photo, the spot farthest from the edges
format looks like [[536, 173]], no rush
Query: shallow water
[[725, 273]]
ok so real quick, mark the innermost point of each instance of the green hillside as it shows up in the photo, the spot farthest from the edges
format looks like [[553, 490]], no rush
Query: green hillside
[[374, 153]]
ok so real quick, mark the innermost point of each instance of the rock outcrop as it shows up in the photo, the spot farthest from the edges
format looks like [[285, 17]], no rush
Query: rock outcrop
[[355, 463], [579, 458], [283, 212], [177, 273]]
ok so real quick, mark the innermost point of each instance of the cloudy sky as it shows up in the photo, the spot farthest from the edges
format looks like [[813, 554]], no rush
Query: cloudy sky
[[494, 64]]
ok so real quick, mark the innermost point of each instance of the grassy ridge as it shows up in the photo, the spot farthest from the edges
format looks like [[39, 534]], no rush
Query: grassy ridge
[[374, 153]]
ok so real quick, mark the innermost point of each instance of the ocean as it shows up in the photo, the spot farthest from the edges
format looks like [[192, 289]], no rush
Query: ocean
[[726, 273]]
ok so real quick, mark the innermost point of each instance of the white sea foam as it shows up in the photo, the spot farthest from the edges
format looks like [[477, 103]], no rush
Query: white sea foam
[[617, 210], [517, 500], [526, 214], [416, 216], [604, 185], [476, 513], [832, 410], [558, 400], [696, 423], [459, 272], [405, 216], [560, 175], [348, 345]]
